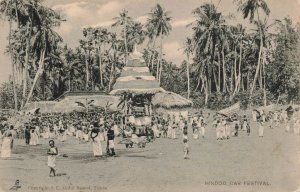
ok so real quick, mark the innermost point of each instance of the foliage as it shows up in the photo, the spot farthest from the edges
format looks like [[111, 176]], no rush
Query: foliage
[[283, 70], [7, 95], [223, 61]]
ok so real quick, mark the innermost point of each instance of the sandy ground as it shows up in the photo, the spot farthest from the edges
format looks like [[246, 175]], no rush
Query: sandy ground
[[273, 160]]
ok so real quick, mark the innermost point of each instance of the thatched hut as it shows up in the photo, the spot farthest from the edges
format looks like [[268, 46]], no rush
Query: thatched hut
[[136, 86], [69, 103], [41, 106], [171, 104]]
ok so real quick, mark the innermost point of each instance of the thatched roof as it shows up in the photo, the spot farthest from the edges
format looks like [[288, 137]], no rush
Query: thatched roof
[[170, 100], [136, 78], [43, 106], [68, 104]]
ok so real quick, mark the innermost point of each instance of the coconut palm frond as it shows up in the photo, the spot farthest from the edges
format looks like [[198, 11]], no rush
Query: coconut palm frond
[[80, 104]]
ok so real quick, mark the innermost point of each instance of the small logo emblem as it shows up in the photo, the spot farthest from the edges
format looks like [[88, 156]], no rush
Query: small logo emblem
[[16, 186]]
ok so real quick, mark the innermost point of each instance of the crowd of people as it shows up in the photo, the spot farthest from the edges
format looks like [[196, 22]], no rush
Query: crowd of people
[[100, 127]]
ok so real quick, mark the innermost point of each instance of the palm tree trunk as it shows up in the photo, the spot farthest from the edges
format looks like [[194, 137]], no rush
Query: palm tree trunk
[[264, 82], [37, 75], [257, 70], [110, 77], [25, 72], [235, 61], [92, 80], [100, 68], [231, 82], [219, 71], [260, 79], [188, 76], [237, 77], [157, 70], [259, 57], [206, 87], [240, 65], [224, 71], [69, 83], [198, 84], [153, 54], [216, 81], [152, 59], [160, 57], [86, 71], [13, 66], [125, 41], [242, 84], [248, 79]]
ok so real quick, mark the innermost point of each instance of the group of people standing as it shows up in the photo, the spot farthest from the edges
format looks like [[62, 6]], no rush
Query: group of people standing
[[105, 127]]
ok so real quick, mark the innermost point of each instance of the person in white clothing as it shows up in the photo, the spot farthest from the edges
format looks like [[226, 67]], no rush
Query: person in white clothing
[[186, 149], [7, 144], [33, 137], [261, 129], [203, 128], [52, 153], [174, 126], [95, 137], [116, 129], [254, 115], [196, 133], [218, 130]]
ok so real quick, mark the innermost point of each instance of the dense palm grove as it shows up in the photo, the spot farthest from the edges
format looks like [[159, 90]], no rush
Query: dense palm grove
[[224, 63]]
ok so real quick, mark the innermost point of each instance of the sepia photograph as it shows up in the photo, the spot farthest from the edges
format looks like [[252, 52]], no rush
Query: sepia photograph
[[150, 95]]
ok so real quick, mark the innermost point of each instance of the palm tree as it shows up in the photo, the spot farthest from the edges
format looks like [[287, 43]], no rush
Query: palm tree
[[159, 23], [101, 38], [249, 8], [125, 21], [34, 18], [188, 50], [149, 32], [86, 105], [88, 45], [44, 41], [71, 66], [114, 57], [267, 38], [238, 35], [135, 34], [10, 10], [210, 31]]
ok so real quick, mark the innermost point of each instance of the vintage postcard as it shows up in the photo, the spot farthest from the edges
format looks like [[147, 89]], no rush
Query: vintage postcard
[[150, 95]]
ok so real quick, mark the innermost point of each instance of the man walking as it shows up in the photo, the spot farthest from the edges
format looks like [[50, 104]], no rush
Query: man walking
[[110, 142], [27, 135]]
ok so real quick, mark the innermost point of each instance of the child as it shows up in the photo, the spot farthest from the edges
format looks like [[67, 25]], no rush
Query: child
[[52, 153], [219, 130], [196, 134], [185, 136], [248, 129], [236, 127], [173, 133], [261, 129], [227, 130], [203, 128], [110, 142], [186, 149], [194, 125], [245, 122]]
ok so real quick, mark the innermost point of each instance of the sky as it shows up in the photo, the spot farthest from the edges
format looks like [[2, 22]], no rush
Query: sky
[[85, 13]]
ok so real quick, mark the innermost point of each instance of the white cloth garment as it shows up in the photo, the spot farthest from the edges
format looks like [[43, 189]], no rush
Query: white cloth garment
[[97, 148], [6, 147]]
